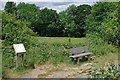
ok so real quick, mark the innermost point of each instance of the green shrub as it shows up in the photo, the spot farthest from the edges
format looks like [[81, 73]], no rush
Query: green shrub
[[109, 71], [99, 46], [14, 32]]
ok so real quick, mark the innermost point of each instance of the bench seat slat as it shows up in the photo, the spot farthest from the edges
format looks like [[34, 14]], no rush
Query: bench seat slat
[[84, 54], [85, 47], [76, 52], [78, 49]]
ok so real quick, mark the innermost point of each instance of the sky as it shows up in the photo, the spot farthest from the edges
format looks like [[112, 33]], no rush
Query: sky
[[58, 5], [50, 0]]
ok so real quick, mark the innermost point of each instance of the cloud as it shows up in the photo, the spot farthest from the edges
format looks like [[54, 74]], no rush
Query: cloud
[[50, 0], [62, 6], [58, 6], [60, 0]]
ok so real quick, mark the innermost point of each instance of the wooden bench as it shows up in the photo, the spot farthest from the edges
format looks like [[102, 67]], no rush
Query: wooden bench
[[73, 51]]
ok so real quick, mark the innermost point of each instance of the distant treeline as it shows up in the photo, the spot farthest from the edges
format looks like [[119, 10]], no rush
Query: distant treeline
[[46, 22], [97, 21]]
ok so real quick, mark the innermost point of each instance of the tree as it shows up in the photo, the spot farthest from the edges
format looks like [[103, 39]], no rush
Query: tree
[[48, 16], [0, 24], [26, 11], [103, 22], [67, 20], [73, 20], [39, 19], [98, 13], [81, 13], [15, 31], [10, 7], [52, 30]]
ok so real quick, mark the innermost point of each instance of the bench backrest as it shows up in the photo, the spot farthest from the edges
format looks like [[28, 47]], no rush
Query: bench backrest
[[78, 49]]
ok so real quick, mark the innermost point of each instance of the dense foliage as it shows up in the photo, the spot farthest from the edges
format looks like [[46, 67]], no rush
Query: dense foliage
[[73, 20], [0, 26], [103, 23], [10, 7], [109, 71], [46, 22]]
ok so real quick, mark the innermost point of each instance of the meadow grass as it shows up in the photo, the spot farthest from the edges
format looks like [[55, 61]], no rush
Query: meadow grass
[[108, 58], [61, 40]]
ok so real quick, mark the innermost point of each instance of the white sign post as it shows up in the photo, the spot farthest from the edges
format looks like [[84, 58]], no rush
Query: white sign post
[[19, 49]]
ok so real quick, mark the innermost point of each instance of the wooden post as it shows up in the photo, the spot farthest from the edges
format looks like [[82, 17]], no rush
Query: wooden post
[[23, 59], [16, 60], [77, 59], [88, 57], [19, 49]]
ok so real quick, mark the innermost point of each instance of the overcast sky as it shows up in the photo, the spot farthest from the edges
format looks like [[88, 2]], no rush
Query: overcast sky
[[58, 5], [50, 0]]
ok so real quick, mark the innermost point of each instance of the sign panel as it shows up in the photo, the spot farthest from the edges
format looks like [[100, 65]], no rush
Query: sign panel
[[19, 48]]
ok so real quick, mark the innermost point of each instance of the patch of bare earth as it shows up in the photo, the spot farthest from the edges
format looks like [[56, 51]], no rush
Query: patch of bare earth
[[59, 71]]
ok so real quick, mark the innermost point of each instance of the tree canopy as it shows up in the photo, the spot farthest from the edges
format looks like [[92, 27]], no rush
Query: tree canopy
[[10, 7], [99, 20], [103, 22]]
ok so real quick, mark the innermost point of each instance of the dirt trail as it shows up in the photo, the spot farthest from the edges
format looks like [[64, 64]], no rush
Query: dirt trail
[[69, 70], [59, 71]]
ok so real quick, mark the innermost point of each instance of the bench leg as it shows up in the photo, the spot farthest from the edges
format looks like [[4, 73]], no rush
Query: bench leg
[[22, 59], [77, 59], [83, 57], [88, 57], [72, 59]]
